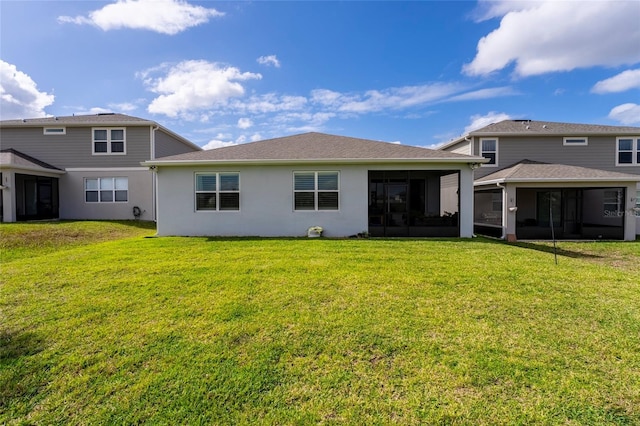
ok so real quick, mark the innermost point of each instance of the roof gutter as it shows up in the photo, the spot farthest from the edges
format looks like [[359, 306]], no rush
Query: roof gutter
[[552, 180], [31, 169], [275, 162]]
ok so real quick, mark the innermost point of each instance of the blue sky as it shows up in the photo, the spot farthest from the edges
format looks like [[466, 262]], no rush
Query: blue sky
[[418, 73]]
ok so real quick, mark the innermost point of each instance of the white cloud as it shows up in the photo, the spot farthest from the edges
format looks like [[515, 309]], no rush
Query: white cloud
[[244, 123], [480, 121], [194, 85], [628, 114], [489, 9], [126, 106], [215, 143], [622, 82], [91, 111], [269, 60], [546, 36], [222, 140], [162, 16], [19, 94], [379, 100], [484, 94]]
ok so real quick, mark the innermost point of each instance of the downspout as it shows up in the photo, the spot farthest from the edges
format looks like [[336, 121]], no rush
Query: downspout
[[470, 140]]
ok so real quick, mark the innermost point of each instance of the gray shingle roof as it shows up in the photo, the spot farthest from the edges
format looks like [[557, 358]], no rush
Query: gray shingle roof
[[14, 158], [315, 146], [91, 119], [527, 171], [103, 119], [530, 127]]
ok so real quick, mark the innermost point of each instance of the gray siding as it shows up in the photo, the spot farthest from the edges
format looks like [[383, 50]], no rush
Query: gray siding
[[140, 194], [167, 145], [600, 153], [74, 148]]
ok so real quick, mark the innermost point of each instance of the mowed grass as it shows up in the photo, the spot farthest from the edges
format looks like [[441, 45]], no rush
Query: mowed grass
[[308, 331], [38, 238]]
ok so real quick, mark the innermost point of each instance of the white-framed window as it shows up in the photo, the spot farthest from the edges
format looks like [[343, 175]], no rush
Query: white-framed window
[[628, 151], [638, 203], [54, 130], [575, 141], [218, 191], [316, 190], [106, 190], [108, 141], [489, 149]]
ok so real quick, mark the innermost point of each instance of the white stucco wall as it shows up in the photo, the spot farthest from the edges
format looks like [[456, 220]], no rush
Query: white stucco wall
[[266, 202]]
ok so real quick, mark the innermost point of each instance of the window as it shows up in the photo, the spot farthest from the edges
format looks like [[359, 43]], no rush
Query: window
[[217, 191], [575, 141], [628, 151], [638, 203], [315, 190], [612, 203], [54, 131], [108, 141], [489, 149], [106, 190]]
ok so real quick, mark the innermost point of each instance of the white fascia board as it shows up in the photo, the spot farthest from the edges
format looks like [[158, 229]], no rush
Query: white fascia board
[[34, 169], [181, 163], [551, 180], [107, 169], [464, 138]]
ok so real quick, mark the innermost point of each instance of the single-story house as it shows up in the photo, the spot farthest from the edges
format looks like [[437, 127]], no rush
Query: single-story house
[[347, 186]]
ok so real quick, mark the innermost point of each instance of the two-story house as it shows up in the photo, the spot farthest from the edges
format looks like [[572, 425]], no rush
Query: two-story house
[[82, 167], [544, 179]]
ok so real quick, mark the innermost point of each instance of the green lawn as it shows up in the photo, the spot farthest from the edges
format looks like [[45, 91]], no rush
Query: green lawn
[[307, 331]]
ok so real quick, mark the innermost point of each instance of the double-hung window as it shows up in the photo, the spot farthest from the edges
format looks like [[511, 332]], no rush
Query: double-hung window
[[108, 141], [106, 190], [489, 149], [628, 151], [316, 190], [217, 191]]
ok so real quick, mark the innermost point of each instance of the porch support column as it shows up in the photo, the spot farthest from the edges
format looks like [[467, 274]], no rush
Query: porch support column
[[509, 208], [466, 202], [8, 196], [629, 214]]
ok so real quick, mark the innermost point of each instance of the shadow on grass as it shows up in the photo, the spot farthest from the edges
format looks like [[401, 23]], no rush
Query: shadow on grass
[[22, 376], [537, 246], [14, 345], [560, 251]]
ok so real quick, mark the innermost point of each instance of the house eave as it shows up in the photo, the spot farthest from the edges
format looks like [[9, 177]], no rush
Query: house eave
[[323, 161], [555, 180], [554, 133], [31, 169]]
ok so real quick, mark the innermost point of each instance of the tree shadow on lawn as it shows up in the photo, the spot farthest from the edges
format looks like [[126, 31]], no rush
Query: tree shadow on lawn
[[558, 250], [15, 345], [537, 246], [22, 376]]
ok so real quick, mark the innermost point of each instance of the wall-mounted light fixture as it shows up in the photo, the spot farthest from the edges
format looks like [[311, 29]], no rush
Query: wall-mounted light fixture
[[474, 166]]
